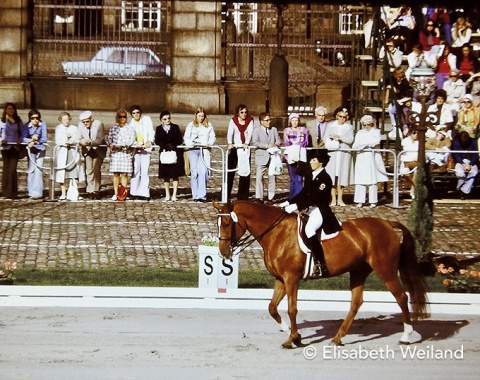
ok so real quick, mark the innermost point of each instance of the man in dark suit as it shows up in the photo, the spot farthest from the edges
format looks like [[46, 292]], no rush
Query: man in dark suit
[[264, 137], [316, 196]]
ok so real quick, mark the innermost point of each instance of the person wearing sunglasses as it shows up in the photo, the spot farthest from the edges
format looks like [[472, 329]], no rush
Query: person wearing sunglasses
[[35, 136], [145, 135], [429, 36], [168, 137], [91, 137], [120, 139]]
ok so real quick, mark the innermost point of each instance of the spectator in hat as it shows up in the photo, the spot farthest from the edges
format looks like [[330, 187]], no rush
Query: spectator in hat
[[369, 166], [295, 138], [91, 137], [339, 135]]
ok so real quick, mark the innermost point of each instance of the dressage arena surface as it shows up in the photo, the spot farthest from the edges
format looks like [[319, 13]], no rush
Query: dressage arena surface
[[142, 343], [112, 343]]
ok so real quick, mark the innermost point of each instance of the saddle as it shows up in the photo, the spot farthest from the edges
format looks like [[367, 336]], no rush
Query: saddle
[[315, 266]]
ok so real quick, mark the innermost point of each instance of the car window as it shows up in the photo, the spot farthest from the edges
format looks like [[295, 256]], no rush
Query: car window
[[118, 56], [138, 58]]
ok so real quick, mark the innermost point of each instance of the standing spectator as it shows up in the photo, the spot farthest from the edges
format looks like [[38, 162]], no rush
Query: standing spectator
[[199, 136], [66, 153], [441, 19], [120, 139], [339, 135], [295, 139], [446, 63], [397, 88], [369, 166], [35, 135], [456, 90], [317, 127], [461, 33], [466, 163], [91, 137], [467, 63], [394, 55], [443, 112], [409, 159], [239, 135], [468, 118], [429, 36], [264, 138], [168, 137], [11, 126], [145, 136]]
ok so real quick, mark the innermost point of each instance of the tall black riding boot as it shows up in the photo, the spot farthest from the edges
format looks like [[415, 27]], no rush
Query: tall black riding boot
[[317, 251]]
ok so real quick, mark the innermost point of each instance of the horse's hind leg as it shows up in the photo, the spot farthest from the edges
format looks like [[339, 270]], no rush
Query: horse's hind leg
[[357, 284], [278, 295]]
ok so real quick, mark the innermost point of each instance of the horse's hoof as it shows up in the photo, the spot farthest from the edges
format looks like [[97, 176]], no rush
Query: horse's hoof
[[404, 343], [298, 341], [287, 345], [336, 342]]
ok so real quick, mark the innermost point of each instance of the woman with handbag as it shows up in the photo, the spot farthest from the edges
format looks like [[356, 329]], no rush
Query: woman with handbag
[[120, 139], [11, 131], [199, 133], [171, 166]]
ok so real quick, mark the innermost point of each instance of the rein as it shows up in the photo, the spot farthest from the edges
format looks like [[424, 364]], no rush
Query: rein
[[248, 240]]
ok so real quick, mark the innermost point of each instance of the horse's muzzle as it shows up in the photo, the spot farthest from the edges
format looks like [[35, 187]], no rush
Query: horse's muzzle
[[226, 249]]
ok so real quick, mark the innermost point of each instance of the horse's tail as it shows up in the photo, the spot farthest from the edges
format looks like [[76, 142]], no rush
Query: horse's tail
[[410, 273]]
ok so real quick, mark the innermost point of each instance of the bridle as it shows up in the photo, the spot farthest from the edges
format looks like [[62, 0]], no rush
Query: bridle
[[241, 244]]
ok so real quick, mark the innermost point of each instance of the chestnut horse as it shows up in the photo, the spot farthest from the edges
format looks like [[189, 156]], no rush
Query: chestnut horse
[[364, 245]]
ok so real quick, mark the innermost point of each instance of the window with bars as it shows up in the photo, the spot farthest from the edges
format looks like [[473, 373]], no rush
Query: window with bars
[[351, 19], [245, 16], [141, 15]]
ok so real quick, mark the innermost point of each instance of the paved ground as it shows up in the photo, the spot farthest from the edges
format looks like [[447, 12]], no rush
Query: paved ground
[[92, 234]]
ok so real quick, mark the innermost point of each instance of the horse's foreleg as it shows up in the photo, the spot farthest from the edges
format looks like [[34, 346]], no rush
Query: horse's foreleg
[[278, 295], [357, 284], [291, 286]]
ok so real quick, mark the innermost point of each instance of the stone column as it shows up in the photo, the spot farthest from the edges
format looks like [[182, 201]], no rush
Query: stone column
[[196, 57], [14, 60]]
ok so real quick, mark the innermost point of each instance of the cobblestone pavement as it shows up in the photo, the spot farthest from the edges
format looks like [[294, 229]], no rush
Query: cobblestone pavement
[[158, 234]]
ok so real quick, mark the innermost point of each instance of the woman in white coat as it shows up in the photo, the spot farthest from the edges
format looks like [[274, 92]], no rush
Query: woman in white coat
[[66, 153], [339, 135], [369, 166]]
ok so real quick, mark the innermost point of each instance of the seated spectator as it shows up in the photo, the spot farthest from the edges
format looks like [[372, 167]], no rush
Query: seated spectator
[[456, 90], [409, 159], [461, 33], [443, 112], [429, 36], [369, 166], [401, 24], [473, 87], [406, 106], [468, 117], [394, 55], [467, 63], [466, 163], [418, 59], [437, 150], [446, 62]]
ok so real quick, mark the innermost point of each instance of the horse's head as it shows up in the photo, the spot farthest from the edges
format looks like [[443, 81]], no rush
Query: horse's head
[[229, 228]]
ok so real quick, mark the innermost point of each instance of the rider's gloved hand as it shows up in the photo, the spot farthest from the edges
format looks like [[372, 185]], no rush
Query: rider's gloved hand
[[284, 204], [291, 208]]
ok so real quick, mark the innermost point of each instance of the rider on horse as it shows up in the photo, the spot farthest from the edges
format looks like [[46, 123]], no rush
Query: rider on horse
[[316, 196]]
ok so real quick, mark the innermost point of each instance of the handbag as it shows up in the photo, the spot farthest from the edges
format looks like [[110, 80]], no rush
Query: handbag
[[22, 151], [275, 166], [122, 192], [168, 157], [72, 192]]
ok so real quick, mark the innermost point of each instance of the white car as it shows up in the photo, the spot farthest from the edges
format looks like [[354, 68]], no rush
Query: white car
[[118, 61]]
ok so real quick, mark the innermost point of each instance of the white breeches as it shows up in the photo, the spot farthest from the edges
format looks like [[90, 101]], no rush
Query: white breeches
[[315, 221]]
